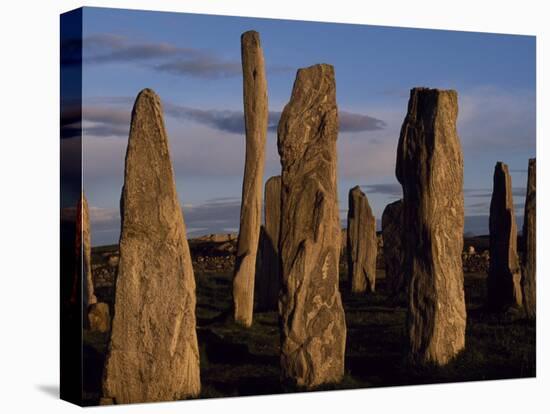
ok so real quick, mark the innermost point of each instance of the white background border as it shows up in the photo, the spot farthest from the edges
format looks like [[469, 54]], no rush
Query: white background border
[[29, 203]]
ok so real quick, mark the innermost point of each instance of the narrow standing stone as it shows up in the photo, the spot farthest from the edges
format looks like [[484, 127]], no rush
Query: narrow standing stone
[[504, 280], [84, 246], [362, 243], [313, 338], [153, 353], [529, 273], [269, 276], [256, 122], [392, 235], [430, 169]]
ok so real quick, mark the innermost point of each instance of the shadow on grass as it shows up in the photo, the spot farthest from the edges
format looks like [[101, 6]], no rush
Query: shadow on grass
[[238, 361]]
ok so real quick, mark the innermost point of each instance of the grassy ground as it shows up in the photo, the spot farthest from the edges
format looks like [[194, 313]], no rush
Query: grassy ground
[[239, 361]]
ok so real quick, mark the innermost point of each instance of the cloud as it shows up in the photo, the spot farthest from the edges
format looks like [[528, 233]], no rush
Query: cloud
[[222, 120], [111, 117], [71, 114], [393, 190], [111, 48], [108, 48], [103, 215], [216, 215], [480, 205], [351, 122], [105, 121], [207, 67], [487, 193], [348, 122]]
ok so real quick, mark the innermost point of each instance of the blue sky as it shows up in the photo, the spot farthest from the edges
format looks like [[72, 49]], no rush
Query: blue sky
[[193, 63]]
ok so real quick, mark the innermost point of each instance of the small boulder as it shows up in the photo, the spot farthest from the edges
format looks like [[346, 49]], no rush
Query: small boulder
[[99, 317]]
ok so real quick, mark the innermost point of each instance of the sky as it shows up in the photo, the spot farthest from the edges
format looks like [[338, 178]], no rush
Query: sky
[[193, 63]]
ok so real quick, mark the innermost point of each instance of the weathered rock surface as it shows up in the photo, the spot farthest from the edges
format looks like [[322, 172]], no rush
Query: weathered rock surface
[[504, 279], [269, 276], [84, 246], [99, 317], [362, 243], [313, 339], [430, 169], [392, 233], [153, 353], [256, 122], [529, 270]]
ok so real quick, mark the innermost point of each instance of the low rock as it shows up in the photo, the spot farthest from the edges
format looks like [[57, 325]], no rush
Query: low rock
[[99, 317]]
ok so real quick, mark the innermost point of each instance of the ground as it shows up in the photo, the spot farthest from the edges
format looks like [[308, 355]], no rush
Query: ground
[[239, 361]]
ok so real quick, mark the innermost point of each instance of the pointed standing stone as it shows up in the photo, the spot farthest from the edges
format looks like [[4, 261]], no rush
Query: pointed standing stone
[[256, 122], [313, 339], [362, 243], [153, 353], [430, 169], [504, 279], [269, 277], [392, 234], [529, 279]]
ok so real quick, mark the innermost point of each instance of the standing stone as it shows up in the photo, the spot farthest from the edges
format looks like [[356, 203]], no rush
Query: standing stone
[[504, 280], [529, 280], [153, 353], [269, 277], [98, 317], [343, 242], [84, 251], [392, 234], [430, 169], [255, 119], [313, 338], [362, 243], [87, 254]]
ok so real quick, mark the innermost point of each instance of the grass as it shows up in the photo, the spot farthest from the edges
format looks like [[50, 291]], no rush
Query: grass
[[239, 361]]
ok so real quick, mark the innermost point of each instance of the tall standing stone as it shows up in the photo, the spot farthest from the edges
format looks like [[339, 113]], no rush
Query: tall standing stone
[[269, 276], [153, 353], [392, 234], [504, 279], [362, 243], [529, 273], [430, 169], [313, 339], [256, 122], [87, 253], [84, 251]]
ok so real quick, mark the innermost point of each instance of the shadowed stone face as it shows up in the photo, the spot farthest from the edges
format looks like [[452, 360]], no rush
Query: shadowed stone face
[[256, 120], [269, 275], [153, 353], [430, 169], [504, 280], [529, 279], [392, 234], [312, 317], [362, 243]]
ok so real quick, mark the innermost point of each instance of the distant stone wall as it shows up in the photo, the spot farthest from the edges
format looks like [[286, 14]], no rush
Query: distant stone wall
[[216, 253]]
